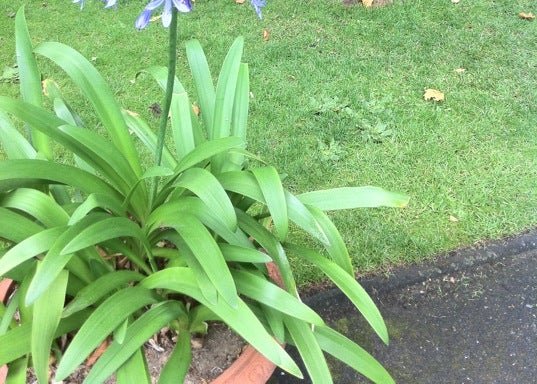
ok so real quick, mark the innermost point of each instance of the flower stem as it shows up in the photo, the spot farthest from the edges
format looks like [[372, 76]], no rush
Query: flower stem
[[172, 61]]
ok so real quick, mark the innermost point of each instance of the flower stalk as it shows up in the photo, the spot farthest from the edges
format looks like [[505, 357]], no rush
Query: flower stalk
[[172, 62]]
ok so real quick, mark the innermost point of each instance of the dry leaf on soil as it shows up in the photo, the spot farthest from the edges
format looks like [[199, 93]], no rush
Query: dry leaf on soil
[[367, 3], [266, 34], [526, 16], [433, 94]]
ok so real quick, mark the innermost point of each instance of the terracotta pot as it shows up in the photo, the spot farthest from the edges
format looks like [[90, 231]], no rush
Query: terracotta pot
[[251, 367], [5, 289]]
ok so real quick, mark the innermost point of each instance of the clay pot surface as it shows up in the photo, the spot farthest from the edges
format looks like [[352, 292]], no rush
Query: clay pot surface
[[5, 288]]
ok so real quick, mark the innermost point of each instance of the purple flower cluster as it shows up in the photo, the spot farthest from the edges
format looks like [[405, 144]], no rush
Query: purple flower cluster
[[183, 6]]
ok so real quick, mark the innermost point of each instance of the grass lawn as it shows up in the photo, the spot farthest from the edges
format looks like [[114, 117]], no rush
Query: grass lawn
[[338, 101]]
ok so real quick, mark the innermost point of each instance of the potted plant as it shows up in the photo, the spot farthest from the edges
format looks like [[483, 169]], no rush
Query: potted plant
[[108, 247]]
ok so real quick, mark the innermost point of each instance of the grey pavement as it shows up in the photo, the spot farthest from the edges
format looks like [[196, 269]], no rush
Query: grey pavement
[[467, 317]]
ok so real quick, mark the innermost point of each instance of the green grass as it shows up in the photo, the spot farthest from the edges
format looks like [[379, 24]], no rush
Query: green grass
[[472, 157]]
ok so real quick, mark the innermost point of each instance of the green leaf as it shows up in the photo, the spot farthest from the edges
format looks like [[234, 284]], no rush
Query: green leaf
[[225, 98], [30, 78], [353, 197], [30, 247], [271, 186], [178, 363], [103, 230], [15, 227], [19, 338], [181, 123], [98, 93], [36, 204], [9, 312], [208, 189], [267, 293], [203, 81], [272, 246], [14, 143], [240, 254], [25, 172], [160, 74], [206, 251], [17, 371], [301, 216], [134, 370], [348, 285], [309, 350], [46, 317], [352, 354], [54, 261], [239, 122], [99, 288], [239, 318], [137, 334], [107, 317], [97, 200], [335, 246], [140, 128]]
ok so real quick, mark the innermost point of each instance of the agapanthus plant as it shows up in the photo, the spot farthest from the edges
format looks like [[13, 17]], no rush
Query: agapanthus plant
[[107, 247]]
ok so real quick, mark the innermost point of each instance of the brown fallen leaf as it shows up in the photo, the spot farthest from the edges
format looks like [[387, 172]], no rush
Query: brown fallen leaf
[[367, 3], [196, 109], [433, 94], [97, 353], [240, 1], [266, 34], [526, 16]]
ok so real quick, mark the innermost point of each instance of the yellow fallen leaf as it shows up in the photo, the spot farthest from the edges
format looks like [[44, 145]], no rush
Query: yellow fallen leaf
[[453, 219], [460, 70], [433, 94], [526, 16], [455, 1], [367, 3], [266, 34], [240, 1], [196, 109], [155, 18]]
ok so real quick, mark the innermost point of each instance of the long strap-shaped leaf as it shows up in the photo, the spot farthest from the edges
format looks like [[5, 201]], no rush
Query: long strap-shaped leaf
[[271, 186], [208, 189], [272, 246], [107, 317], [309, 350], [353, 197], [241, 318], [202, 80], [178, 363], [98, 93], [137, 334], [348, 285], [16, 227], [181, 124], [55, 261], [269, 294], [352, 354], [47, 315], [239, 122], [30, 78], [13, 142], [36, 204], [208, 254], [19, 338], [134, 370], [30, 247], [19, 173], [99, 288]]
